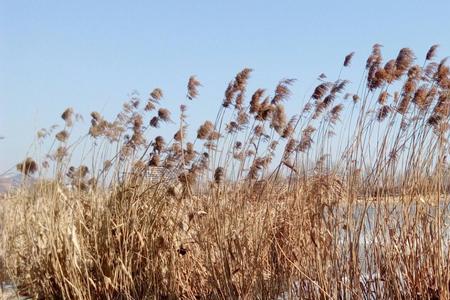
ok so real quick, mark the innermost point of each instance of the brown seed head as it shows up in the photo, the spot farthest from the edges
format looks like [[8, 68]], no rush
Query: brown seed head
[[382, 98], [156, 95], [192, 87], [164, 114], [180, 134], [239, 100], [255, 102], [404, 103], [219, 175], [81, 171], [273, 145], [442, 75], [383, 112], [259, 130], [242, 118], [290, 146], [205, 130], [306, 140], [434, 120], [403, 62], [420, 97], [149, 106], [443, 105], [289, 129], [265, 110], [154, 122], [431, 52], [320, 90], [155, 160], [62, 136], [67, 116], [214, 136], [60, 153], [137, 123], [348, 59], [389, 71], [282, 91], [335, 113], [229, 94], [241, 79], [375, 58], [158, 144], [339, 86], [27, 167], [279, 119], [96, 116]]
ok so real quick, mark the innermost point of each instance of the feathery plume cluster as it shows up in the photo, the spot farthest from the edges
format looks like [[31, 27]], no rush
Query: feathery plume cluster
[[67, 116], [403, 62], [348, 59], [373, 65], [289, 148], [219, 175], [192, 87], [290, 127], [205, 130], [279, 119], [306, 140], [255, 101], [154, 122], [80, 172], [442, 75], [282, 91], [158, 144], [137, 139], [321, 90], [382, 98], [335, 112], [61, 153], [383, 112], [265, 110], [101, 127], [156, 95], [62, 136], [164, 114], [431, 52], [258, 165], [236, 89], [155, 160], [27, 167], [180, 134], [420, 98]]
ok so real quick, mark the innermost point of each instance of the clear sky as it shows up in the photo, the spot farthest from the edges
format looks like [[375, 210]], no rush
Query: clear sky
[[91, 54]]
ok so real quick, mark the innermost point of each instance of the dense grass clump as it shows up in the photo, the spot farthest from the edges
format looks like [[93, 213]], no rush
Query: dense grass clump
[[346, 199]]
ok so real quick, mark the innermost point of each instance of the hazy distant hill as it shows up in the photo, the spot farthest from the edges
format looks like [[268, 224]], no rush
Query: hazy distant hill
[[9, 182]]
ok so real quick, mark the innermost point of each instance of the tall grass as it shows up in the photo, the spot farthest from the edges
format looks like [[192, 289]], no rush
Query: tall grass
[[346, 199]]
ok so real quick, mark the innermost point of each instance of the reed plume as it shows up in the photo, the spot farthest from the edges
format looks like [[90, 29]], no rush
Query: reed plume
[[192, 87], [205, 130], [348, 59], [27, 167], [67, 116]]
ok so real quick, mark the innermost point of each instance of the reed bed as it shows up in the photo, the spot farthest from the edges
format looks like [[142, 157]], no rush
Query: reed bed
[[346, 199]]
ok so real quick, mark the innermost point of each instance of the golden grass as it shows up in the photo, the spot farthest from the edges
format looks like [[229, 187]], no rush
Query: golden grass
[[258, 205]]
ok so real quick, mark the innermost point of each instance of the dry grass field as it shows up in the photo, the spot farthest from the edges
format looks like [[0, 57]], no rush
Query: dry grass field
[[346, 199]]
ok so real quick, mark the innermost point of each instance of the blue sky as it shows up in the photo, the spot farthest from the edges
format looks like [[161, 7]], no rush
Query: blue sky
[[91, 54]]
